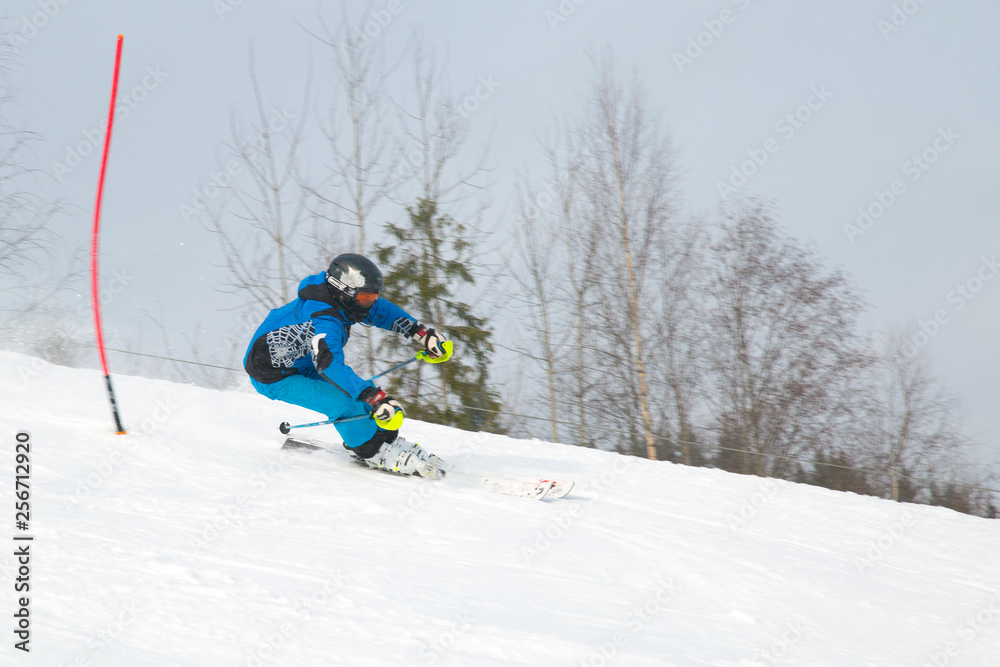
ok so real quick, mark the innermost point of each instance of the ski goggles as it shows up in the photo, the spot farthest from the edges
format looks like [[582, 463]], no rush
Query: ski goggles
[[366, 298]]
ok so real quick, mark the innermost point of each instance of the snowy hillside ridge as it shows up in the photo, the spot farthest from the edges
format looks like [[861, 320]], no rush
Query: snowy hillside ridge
[[195, 540]]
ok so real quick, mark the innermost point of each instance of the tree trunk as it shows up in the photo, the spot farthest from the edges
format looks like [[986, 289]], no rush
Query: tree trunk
[[635, 319]]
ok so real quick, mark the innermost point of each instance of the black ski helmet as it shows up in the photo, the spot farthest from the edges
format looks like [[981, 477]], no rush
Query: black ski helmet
[[355, 283]]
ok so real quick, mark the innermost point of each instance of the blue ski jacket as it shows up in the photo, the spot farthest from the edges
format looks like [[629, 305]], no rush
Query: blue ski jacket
[[280, 346]]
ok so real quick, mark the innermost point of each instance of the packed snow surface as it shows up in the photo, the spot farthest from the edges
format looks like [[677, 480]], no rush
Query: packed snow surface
[[194, 540]]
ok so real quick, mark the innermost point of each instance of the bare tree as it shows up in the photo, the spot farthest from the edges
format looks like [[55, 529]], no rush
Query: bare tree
[[911, 426], [436, 135], [785, 354], [28, 242], [610, 229], [581, 262], [364, 148], [260, 222], [39, 264], [533, 269], [437, 132], [544, 210], [679, 342], [628, 176]]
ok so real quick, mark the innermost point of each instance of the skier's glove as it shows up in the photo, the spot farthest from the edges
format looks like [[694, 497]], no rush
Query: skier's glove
[[322, 356], [386, 410], [437, 347]]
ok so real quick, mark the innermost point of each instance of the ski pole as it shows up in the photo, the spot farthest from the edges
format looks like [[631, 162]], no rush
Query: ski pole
[[285, 427], [396, 367]]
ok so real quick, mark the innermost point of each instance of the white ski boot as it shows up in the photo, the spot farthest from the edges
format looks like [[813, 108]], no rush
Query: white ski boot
[[406, 458]]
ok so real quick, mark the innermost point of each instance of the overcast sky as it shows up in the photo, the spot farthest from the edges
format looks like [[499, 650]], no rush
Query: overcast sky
[[885, 106]]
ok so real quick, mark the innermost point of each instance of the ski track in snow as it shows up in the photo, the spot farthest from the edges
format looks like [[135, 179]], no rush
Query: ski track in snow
[[195, 540]]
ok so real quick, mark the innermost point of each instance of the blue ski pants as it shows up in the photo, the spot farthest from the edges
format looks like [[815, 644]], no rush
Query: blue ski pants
[[317, 394]]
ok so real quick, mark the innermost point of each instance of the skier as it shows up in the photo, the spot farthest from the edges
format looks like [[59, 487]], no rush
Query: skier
[[297, 356]]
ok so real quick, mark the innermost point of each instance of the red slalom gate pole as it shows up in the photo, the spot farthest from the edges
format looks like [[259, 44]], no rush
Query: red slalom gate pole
[[94, 276]]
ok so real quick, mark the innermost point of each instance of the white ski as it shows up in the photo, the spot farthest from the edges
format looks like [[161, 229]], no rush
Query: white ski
[[510, 487], [536, 489]]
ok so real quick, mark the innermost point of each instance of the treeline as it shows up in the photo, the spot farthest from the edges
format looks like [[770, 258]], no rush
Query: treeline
[[708, 340], [716, 340]]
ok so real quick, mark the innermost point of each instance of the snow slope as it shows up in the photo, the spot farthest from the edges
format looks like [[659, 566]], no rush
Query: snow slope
[[195, 541]]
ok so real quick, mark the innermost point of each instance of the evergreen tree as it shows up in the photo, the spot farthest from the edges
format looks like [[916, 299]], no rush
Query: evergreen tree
[[427, 265]]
